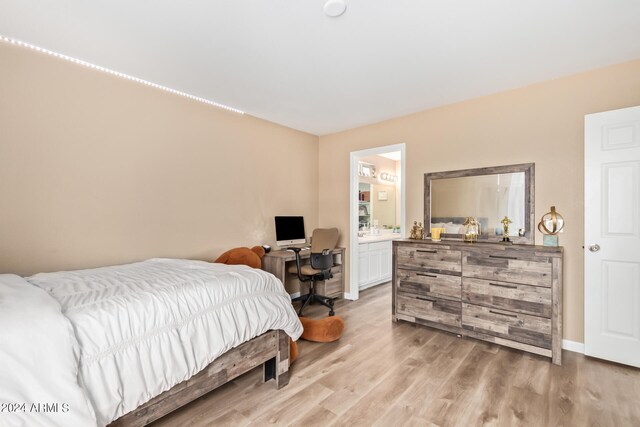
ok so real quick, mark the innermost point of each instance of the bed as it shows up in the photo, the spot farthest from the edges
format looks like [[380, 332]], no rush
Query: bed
[[125, 345]]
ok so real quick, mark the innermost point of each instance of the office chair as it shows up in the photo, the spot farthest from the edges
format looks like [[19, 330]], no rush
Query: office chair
[[323, 242]]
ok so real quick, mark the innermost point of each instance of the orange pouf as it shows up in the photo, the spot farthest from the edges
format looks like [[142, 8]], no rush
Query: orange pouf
[[293, 351], [322, 330]]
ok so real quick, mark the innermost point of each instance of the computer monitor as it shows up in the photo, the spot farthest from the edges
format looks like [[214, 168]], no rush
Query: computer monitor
[[290, 230]]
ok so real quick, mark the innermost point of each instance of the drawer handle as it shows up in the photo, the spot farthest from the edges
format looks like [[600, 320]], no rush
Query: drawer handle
[[503, 314], [427, 251], [503, 257], [426, 299], [427, 275], [504, 286]]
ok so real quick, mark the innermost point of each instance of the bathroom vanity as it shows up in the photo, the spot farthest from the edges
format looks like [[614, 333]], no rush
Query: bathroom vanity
[[374, 259]]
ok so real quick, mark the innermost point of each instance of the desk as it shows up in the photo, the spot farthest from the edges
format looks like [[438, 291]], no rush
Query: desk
[[277, 263]]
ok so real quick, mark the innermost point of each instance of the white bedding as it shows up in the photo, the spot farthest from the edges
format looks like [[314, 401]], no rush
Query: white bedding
[[38, 360], [144, 327]]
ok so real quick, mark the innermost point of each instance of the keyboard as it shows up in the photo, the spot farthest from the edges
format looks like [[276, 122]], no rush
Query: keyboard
[[304, 248]]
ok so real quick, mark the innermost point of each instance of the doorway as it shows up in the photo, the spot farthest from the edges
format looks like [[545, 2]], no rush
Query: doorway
[[377, 214]]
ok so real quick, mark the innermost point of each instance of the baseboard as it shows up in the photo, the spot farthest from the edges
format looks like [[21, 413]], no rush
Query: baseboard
[[371, 285], [295, 295], [576, 347], [348, 296]]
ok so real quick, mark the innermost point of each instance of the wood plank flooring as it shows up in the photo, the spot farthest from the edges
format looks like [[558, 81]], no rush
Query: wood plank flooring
[[398, 374]]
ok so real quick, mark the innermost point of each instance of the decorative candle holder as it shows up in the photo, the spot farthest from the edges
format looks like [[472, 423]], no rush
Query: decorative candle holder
[[471, 229]]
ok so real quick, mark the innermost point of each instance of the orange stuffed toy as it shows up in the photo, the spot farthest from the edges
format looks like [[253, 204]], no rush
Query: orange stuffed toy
[[243, 256], [253, 258]]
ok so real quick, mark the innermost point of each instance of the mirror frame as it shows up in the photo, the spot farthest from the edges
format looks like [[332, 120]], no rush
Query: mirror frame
[[529, 199]]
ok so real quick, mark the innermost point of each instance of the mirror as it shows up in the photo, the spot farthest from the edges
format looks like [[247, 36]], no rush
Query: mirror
[[488, 194], [383, 205], [377, 205]]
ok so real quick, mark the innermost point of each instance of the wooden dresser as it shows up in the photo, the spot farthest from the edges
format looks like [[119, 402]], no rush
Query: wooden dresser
[[502, 293]]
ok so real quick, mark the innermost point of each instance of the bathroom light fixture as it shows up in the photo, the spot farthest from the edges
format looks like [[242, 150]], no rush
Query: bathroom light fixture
[[115, 73], [388, 177], [334, 8]]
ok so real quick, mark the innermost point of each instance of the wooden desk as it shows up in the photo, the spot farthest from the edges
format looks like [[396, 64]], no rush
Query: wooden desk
[[278, 262]]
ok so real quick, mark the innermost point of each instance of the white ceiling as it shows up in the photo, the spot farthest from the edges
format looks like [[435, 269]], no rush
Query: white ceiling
[[392, 155], [285, 61]]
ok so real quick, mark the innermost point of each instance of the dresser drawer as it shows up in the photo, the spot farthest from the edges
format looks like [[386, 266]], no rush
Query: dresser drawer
[[429, 258], [509, 265], [429, 284], [506, 324], [526, 299], [333, 286], [438, 310]]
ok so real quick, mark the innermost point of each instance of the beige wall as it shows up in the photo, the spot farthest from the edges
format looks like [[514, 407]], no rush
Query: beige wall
[[96, 170], [542, 123]]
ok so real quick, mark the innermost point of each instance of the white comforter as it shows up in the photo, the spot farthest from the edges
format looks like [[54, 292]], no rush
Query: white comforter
[[39, 358], [143, 328]]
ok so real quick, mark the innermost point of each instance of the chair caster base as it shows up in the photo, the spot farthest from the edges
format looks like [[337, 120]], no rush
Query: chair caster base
[[319, 299]]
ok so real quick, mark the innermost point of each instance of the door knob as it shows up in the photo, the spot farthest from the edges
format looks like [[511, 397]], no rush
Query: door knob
[[594, 247]]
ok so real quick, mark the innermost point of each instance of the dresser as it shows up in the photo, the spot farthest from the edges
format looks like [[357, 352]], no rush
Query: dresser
[[501, 293]]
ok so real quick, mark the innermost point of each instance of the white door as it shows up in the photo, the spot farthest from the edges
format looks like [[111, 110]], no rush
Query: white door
[[612, 235]]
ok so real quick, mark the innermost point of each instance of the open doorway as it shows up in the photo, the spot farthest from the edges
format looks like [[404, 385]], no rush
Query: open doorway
[[377, 214]]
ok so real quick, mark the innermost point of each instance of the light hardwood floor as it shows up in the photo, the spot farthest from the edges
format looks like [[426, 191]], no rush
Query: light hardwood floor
[[398, 374]]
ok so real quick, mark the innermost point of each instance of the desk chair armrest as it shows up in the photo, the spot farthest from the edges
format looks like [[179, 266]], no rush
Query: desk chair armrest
[[300, 276]]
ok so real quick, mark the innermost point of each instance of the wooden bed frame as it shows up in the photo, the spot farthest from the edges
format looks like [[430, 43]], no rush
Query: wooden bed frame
[[270, 349]]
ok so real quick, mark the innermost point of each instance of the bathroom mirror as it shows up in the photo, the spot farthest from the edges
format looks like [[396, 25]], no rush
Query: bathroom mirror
[[383, 205], [377, 204], [488, 194]]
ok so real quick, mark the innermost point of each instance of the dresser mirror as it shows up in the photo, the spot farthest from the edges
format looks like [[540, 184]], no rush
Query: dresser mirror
[[487, 194]]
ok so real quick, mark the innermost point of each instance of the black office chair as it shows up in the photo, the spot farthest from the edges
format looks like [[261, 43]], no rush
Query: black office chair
[[323, 242]]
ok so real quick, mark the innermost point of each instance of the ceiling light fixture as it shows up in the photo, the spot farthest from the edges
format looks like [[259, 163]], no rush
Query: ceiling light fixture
[[334, 8], [116, 73]]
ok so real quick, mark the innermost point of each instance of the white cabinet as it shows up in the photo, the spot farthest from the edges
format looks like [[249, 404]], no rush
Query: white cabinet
[[386, 261], [374, 263], [363, 265]]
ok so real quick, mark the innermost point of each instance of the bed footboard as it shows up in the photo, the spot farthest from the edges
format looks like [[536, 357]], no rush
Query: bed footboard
[[277, 368], [270, 349]]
